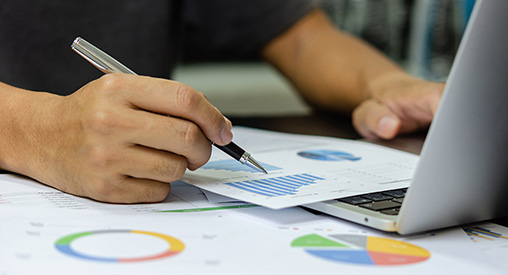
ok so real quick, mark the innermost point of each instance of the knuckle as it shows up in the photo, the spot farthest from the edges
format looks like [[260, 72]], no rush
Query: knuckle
[[191, 135], [170, 169], [156, 193], [108, 88], [103, 189], [187, 98], [203, 158], [99, 157], [102, 121], [200, 162], [161, 194], [177, 170], [111, 82]]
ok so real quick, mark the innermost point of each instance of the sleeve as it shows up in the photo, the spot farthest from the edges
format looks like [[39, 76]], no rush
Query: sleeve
[[229, 30]]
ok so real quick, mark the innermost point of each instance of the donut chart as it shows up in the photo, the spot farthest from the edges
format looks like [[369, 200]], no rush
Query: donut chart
[[361, 249], [64, 245]]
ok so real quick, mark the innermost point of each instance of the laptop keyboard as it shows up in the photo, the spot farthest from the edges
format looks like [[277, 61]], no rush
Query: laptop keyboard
[[386, 202]]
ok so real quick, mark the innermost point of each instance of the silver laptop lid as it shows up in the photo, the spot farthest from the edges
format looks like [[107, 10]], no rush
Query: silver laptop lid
[[463, 169]]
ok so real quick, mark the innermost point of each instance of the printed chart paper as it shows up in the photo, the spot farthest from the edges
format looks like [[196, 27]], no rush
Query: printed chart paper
[[20, 191], [491, 239], [61, 241], [303, 169]]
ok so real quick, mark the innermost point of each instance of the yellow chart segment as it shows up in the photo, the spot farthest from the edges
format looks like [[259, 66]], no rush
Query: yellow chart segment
[[391, 246], [175, 244], [361, 249]]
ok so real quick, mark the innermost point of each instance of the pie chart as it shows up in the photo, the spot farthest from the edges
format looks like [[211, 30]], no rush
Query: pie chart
[[361, 249]]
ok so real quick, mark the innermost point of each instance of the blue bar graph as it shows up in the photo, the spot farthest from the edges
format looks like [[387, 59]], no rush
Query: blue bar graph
[[235, 166], [279, 186], [484, 233]]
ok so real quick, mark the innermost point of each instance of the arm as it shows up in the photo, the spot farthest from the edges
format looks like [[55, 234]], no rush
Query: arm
[[110, 140], [334, 70]]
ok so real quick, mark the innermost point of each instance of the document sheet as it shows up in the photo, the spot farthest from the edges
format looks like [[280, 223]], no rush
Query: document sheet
[[49, 240], [302, 169]]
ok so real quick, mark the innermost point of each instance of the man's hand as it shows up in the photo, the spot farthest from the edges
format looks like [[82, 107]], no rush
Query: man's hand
[[336, 71], [398, 104], [113, 140]]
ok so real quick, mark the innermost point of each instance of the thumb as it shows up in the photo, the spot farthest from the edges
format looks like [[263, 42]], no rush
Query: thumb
[[372, 120], [388, 126]]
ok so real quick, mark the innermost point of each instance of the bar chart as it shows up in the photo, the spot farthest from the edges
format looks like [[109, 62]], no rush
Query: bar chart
[[477, 232], [235, 166], [278, 186]]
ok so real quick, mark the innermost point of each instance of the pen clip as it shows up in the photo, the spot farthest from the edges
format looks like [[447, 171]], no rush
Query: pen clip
[[98, 58]]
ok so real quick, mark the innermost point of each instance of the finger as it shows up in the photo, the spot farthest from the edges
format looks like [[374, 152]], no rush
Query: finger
[[433, 97], [175, 99], [125, 189], [373, 119], [359, 120], [418, 111], [144, 162], [170, 134]]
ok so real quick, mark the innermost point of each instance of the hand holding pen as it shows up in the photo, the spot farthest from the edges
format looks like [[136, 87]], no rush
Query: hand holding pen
[[107, 64], [112, 140]]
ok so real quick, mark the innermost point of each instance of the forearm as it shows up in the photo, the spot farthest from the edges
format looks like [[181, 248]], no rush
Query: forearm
[[19, 121], [330, 68], [12, 121]]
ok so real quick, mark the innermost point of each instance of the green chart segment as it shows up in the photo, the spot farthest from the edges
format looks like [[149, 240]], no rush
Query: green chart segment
[[361, 249]]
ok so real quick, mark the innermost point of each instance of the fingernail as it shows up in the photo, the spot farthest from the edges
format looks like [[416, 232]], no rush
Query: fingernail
[[387, 127], [228, 123], [226, 134]]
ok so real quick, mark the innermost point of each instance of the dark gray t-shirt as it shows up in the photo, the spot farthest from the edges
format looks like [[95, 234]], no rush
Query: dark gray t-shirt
[[147, 36]]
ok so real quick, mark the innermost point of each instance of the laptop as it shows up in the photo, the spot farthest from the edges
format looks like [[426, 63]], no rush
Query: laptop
[[462, 174]]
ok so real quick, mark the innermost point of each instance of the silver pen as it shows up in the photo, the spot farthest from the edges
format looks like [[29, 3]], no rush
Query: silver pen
[[108, 64]]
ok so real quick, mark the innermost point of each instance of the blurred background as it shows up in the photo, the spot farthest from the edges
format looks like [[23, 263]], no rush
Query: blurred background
[[420, 35]]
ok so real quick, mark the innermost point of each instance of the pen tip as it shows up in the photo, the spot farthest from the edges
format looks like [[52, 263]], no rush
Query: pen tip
[[255, 165]]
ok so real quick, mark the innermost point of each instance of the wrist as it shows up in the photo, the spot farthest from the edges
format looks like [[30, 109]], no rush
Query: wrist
[[378, 86], [24, 121]]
